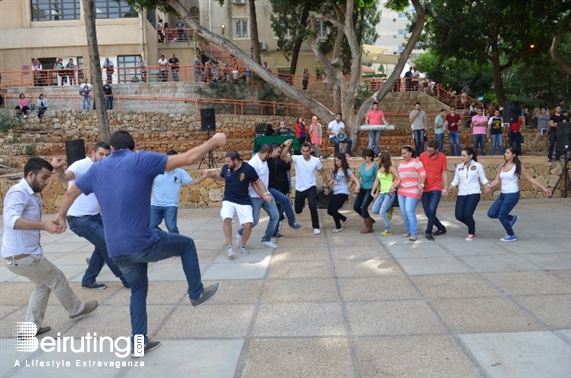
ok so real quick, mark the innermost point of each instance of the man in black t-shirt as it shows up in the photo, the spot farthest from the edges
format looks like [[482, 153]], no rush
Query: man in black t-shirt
[[173, 63], [556, 118], [108, 95]]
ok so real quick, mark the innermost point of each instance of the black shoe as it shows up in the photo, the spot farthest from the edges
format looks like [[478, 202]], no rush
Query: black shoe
[[207, 293], [95, 285], [430, 237], [150, 346], [440, 232], [43, 330]]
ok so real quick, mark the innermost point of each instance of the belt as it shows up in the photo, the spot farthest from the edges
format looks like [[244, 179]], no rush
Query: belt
[[19, 257]]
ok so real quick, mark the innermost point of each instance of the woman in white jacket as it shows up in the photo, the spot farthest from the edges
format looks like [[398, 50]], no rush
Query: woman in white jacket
[[468, 176]]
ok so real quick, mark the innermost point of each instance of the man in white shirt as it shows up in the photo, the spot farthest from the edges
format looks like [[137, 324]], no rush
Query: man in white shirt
[[260, 165], [163, 69], [85, 92], [85, 219], [22, 250], [305, 182], [335, 127]]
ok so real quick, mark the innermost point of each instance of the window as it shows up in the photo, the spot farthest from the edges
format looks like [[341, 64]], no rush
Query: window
[[402, 15], [402, 32], [322, 29], [125, 74], [241, 29], [55, 10], [114, 9], [401, 49]]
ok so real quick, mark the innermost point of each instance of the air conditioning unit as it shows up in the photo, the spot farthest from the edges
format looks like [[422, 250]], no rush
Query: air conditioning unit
[[263, 46], [240, 2]]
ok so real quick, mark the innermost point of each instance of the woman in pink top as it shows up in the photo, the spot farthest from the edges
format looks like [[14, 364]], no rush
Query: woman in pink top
[[23, 105], [315, 134], [479, 131], [412, 175]]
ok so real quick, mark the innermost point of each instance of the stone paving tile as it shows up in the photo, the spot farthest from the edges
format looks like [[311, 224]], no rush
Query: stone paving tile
[[367, 268], [236, 270], [358, 253], [303, 241], [433, 265], [299, 320], [300, 290], [499, 263], [455, 286], [236, 292], [484, 315], [478, 247], [392, 318], [298, 357], [160, 293], [297, 254], [550, 261], [89, 294], [418, 250], [5, 274], [368, 240], [415, 356], [533, 246], [6, 310], [15, 293], [563, 274], [214, 321], [522, 354], [553, 310], [376, 288], [299, 269], [535, 283]]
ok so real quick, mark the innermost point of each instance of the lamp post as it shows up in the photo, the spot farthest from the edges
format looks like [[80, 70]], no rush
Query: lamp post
[[222, 27]]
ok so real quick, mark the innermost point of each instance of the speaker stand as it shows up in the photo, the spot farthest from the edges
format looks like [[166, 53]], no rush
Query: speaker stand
[[564, 182], [208, 159]]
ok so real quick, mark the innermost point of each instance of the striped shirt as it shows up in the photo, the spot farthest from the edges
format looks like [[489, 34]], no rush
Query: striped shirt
[[409, 176], [21, 202]]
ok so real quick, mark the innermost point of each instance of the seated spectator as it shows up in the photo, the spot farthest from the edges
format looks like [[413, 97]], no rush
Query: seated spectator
[[169, 35], [42, 104], [284, 130], [135, 79], [181, 32], [23, 105], [451, 93]]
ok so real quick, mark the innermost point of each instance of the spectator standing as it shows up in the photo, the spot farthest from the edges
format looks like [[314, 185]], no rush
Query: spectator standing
[[556, 118], [326, 83], [408, 79], [479, 131], [439, 122], [23, 105], [85, 92], [300, 130], [465, 93], [42, 105], [142, 65], [58, 67], [181, 30], [542, 123], [163, 68], [315, 135], [70, 73], [174, 65], [514, 134], [413, 176], [418, 122], [305, 78], [38, 74], [495, 132], [452, 123], [197, 68], [108, 91], [109, 69], [160, 31]]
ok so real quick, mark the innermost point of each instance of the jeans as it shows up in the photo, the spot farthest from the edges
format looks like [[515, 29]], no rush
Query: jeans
[[430, 201], [479, 139], [174, 73], [336, 203], [408, 210], [440, 139], [164, 75], [168, 213], [552, 145], [134, 268], [465, 208], [299, 202], [41, 111], [284, 205], [419, 136], [362, 202], [271, 209], [109, 102], [501, 208], [497, 139], [86, 103], [336, 142], [515, 139], [382, 204], [454, 143], [374, 140], [90, 227]]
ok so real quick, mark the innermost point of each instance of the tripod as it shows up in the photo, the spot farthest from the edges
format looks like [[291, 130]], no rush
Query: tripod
[[209, 158], [564, 183]]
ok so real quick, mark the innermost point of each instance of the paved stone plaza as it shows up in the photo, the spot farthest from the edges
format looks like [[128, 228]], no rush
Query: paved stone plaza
[[333, 305]]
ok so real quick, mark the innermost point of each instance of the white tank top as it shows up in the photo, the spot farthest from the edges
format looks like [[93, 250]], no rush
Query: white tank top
[[509, 181]]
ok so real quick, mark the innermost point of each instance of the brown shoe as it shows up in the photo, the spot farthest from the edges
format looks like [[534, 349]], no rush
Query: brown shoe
[[89, 307], [368, 226]]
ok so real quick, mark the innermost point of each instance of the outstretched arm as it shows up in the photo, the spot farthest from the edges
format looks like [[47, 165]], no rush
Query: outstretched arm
[[193, 155], [61, 175], [285, 156]]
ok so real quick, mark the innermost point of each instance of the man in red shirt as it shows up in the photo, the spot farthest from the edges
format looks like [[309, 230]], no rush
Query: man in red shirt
[[514, 134], [374, 117], [452, 123], [435, 185]]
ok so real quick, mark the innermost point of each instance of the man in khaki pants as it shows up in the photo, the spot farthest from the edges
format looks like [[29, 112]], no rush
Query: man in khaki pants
[[21, 246]]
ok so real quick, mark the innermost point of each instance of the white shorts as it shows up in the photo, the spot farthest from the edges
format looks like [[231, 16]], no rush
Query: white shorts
[[245, 214]]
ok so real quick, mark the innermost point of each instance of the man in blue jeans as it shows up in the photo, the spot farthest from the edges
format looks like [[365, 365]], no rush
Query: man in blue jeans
[[84, 217], [122, 184], [436, 168], [166, 196]]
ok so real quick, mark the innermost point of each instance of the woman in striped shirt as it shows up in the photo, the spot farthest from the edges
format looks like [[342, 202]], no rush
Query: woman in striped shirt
[[412, 175]]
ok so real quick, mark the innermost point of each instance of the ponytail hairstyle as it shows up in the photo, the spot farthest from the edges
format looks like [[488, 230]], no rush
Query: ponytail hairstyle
[[385, 161], [409, 149], [515, 151], [471, 151]]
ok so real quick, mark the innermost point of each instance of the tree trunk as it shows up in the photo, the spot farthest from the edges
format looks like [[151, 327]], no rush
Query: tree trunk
[[497, 74], [554, 53], [299, 41], [96, 77], [254, 31]]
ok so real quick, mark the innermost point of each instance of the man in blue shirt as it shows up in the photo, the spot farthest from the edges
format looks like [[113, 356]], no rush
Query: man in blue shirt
[[122, 184], [166, 195]]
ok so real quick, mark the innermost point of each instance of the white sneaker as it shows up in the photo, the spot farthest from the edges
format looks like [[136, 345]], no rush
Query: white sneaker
[[230, 252], [25, 116], [270, 244], [335, 230], [316, 231], [238, 239], [244, 251]]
